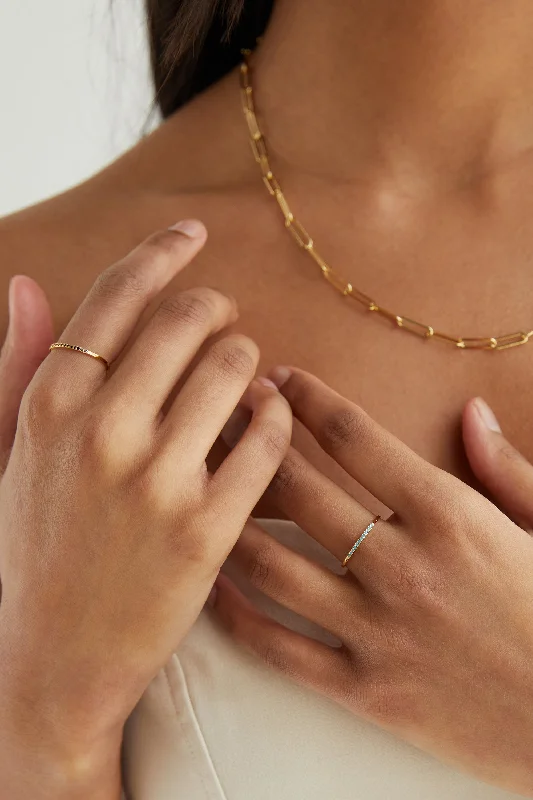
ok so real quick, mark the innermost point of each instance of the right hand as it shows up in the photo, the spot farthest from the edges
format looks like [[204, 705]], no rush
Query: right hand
[[112, 531]]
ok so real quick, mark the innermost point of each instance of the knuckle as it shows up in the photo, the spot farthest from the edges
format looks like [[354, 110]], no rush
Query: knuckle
[[127, 279], [40, 405], [98, 441], [191, 543], [262, 569], [407, 579], [149, 493], [232, 358], [187, 308], [440, 497], [178, 515], [192, 548], [301, 389], [274, 439], [275, 655], [383, 703], [419, 585], [212, 297], [344, 427], [288, 476], [97, 433], [511, 455]]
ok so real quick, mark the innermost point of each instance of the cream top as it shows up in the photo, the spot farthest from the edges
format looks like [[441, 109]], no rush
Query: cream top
[[216, 724]]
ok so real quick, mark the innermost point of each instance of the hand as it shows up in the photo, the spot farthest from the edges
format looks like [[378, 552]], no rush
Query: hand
[[434, 613], [112, 531]]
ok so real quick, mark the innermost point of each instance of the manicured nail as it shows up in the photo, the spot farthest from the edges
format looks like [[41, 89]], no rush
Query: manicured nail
[[192, 228], [280, 375], [487, 415], [268, 383], [235, 426], [211, 600]]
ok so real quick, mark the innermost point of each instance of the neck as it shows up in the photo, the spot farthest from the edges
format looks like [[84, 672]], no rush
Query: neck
[[434, 91]]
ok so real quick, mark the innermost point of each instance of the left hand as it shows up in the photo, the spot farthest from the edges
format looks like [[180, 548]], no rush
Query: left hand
[[434, 614]]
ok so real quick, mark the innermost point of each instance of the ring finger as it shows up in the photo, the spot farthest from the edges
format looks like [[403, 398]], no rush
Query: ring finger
[[166, 347], [301, 585], [219, 379], [331, 516]]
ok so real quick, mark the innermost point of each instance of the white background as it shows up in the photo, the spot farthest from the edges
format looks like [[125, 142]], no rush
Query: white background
[[74, 91]]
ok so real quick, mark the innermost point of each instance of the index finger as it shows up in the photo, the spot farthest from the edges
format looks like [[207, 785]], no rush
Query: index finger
[[109, 314], [375, 458]]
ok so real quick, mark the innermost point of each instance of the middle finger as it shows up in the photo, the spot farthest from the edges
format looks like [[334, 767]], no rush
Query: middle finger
[[164, 350], [208, 398]]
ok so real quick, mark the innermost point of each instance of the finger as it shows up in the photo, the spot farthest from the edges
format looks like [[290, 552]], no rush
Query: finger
[[29, 336], [207, 399], [296, 582], [335, 520], [318, 505], [323, 509], [110, 312], [497, 464], [164, 350], [308, 662], [248, 469], [370, 454]]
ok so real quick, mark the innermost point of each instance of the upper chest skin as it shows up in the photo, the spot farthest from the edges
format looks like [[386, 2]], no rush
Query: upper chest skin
[[415, 388], [462, 267]]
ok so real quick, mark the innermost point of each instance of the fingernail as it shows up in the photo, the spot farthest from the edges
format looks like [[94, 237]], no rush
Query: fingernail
[[280, 375], [487, 415], [192, 228], [212, 598], [235, 426], [268, 383]]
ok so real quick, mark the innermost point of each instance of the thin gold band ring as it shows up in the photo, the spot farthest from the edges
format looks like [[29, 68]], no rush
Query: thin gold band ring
[[78, 349], [361, 539]]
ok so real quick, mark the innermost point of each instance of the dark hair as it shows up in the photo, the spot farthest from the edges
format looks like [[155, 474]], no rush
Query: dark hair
[[193, 43]]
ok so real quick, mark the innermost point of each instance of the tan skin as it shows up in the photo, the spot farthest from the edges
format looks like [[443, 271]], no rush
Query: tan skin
[[461, 240], [417, 169], [113, 531]]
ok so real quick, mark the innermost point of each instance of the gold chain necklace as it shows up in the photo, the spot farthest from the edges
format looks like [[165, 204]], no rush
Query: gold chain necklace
[[304, 240]]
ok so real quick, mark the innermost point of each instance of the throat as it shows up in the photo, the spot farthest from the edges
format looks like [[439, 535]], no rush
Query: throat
[[437, 92]]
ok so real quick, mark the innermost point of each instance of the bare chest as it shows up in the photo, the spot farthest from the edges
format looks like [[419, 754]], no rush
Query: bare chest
[[457, 278]]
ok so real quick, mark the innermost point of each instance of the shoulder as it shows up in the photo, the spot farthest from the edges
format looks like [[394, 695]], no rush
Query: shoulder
[[25, 237], [184, 168], [65, 242], [56, 243]]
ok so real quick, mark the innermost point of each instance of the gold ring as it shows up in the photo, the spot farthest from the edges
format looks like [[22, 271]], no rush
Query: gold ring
[[78, 349], [361, 539]]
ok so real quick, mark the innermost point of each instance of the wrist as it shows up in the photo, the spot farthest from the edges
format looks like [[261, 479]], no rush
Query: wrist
[[47, 752], [40, 762]]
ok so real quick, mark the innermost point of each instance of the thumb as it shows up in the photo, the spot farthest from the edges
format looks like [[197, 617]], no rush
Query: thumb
[[497, 464], [29, 336]]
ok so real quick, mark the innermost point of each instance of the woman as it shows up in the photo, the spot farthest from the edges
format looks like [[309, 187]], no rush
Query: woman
[[401, 136]]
